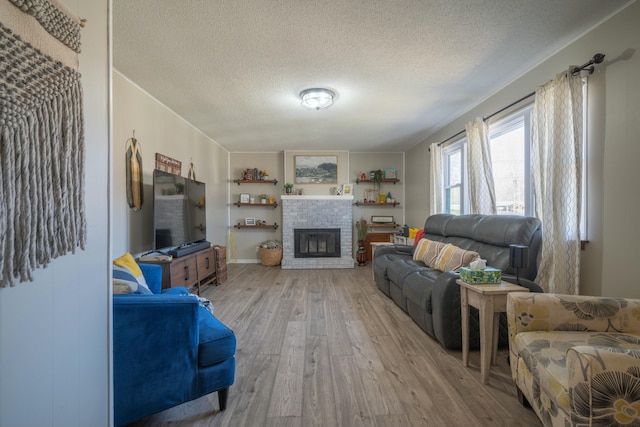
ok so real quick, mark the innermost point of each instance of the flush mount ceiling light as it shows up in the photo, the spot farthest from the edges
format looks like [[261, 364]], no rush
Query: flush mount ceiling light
[[317, 99]]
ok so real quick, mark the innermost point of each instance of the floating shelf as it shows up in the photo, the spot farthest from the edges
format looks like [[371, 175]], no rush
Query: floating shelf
[[274, 204], [255, 181], [394, 204], [389, 180], [264, 226]]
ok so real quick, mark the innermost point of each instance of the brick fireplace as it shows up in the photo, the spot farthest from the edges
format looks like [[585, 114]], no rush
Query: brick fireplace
[[318, 213]]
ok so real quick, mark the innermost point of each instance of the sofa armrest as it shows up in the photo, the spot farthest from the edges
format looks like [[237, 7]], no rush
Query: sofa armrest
[[526, 283], [602, 384], [155, 353], [445, 304], [394, 249], [528, 312]]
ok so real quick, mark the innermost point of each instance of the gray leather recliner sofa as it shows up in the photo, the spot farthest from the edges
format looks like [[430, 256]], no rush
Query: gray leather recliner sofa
[[432, 297]]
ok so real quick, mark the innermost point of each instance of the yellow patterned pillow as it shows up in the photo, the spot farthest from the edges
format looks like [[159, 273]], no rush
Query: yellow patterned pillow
[[127, 271], [451, 258], [129, 263], [427, 251]]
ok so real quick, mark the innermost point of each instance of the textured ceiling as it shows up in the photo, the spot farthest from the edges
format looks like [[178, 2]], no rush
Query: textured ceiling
[[401, 69]]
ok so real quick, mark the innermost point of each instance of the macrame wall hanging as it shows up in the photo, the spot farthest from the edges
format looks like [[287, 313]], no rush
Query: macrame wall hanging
[[42, 153], [192, 171], [133, 162]]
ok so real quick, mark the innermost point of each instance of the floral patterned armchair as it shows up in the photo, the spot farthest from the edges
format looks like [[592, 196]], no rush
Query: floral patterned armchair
[[576, 359]]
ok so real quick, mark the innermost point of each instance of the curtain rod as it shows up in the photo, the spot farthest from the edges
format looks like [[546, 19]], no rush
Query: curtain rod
[[597, 59]]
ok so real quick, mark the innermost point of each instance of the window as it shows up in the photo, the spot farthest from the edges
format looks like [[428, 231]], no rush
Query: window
[[510, 142], [455, 159]]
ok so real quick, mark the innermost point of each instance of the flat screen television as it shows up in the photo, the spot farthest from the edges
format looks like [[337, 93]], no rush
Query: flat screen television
[[179, 210]]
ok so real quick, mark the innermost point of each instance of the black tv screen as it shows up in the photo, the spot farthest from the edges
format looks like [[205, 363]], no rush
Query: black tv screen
[[179, 210]]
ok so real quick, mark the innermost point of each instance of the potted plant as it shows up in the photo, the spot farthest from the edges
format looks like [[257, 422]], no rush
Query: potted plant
[[263, 198], [264, 174], [363, 228], [288, 188], [377, 178], [179, 188]]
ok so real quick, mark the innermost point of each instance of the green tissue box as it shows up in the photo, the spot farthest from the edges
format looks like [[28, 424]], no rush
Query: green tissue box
[[486, 276]]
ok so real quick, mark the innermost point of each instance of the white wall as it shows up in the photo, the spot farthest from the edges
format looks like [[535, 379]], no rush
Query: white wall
[[613, 129], [54, 366], [417, 186], [160, 130]]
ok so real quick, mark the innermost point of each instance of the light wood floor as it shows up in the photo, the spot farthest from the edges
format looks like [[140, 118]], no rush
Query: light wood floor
[[327, 348]]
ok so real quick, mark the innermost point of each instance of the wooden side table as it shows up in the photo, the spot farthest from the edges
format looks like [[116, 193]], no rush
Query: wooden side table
[[490, 300]]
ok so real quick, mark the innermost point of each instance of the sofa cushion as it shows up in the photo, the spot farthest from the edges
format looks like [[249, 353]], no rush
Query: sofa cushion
[[418, 286], [217, 341], [127, 272], [125, 283], [427, 251], [451, 258], [398, 270]]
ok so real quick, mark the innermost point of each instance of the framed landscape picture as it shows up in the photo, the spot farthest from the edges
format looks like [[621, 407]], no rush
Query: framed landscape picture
[[316, 169]]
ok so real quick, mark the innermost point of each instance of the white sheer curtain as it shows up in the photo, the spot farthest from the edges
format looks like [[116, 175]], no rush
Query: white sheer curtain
[[556, 162], [436, 204], [482, 195]]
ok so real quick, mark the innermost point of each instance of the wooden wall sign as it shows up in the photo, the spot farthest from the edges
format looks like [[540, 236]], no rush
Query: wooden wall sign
[[167, 164]]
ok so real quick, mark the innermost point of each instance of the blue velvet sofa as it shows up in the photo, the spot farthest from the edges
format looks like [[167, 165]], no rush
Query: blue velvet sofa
[[167, 349]]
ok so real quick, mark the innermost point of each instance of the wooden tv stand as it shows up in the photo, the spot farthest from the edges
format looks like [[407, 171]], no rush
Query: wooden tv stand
[[191, 271]]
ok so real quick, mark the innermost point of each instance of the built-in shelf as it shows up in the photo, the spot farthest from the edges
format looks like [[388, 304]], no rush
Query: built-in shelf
[[274, 204], [263, 226], [389, 180], [389, 225], [255, 181], [394, 204]]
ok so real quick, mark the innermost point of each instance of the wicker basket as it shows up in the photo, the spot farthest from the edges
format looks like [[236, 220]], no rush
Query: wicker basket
[[270, 257]]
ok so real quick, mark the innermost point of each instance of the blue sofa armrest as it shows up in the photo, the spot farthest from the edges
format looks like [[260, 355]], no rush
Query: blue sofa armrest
[[155, 353], [153, 275]]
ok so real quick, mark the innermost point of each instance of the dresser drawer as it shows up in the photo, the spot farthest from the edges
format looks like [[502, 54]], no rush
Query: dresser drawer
[[184, 272], [206, 263]]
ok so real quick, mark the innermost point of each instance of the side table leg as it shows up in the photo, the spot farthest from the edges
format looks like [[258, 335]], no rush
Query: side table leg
[[464, 308], [496, 338], [486, 336]]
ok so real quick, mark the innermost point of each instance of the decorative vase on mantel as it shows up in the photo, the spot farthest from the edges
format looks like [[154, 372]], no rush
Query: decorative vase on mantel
[[361, 255]]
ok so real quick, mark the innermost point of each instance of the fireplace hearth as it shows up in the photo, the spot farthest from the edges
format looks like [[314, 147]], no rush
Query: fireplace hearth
[[316, 242]]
